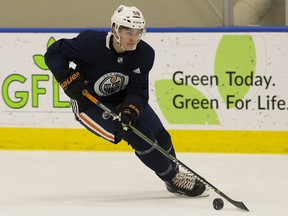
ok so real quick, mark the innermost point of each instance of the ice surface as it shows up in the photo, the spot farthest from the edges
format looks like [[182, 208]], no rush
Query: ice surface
[[47, 183]]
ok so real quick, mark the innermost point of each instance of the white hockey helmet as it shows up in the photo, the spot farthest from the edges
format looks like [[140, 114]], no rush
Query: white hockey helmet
[[130, 17]]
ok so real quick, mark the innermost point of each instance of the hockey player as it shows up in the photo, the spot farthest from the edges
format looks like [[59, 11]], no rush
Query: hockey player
[[114, 68]]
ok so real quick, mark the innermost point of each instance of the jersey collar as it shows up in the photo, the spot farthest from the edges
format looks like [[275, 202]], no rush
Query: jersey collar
[[108, 39]]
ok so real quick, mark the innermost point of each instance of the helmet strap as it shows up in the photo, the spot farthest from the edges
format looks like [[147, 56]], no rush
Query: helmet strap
[[118, 40]]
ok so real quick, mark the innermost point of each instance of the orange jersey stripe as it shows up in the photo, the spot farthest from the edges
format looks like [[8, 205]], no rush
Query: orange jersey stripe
[[95, 127]]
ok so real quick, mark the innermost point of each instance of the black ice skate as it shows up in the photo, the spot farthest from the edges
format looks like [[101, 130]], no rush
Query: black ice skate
[[185, 184]]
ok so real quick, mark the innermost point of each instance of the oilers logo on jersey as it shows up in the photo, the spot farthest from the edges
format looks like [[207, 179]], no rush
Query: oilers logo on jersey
[[110, 83]]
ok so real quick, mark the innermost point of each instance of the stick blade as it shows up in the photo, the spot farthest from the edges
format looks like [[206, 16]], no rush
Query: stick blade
[[240, 205]]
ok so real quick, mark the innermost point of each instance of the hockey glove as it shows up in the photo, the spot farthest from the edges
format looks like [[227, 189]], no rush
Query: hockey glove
[[73, 85], [128, 114]]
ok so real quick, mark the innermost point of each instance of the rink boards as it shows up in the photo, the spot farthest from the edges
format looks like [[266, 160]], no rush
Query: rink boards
[[215, 89], [266, 142]]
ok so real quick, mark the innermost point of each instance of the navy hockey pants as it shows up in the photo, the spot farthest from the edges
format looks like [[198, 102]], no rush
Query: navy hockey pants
[[101, 124]]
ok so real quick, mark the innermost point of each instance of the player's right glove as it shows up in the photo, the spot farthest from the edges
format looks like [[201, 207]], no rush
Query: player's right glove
[[73, 85]]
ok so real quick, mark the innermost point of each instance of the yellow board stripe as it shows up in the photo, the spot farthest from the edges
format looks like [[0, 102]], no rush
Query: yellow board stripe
[[270, 142], [214, 141]]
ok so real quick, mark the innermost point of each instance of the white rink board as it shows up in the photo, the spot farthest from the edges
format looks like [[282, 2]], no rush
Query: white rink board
[[191, 53]]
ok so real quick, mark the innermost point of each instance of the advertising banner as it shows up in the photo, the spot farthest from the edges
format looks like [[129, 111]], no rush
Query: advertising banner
[[203, 81], [200, 81]]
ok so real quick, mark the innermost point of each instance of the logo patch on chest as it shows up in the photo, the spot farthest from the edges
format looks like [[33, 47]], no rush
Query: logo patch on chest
[[110, 83]]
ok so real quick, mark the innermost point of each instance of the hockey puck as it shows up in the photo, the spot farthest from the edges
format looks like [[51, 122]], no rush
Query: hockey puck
[[218, 203]]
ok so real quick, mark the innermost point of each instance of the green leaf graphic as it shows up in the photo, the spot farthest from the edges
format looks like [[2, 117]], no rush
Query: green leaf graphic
[[39, 59], [50, 41], [235, 53], [40, 62], [166, 91]]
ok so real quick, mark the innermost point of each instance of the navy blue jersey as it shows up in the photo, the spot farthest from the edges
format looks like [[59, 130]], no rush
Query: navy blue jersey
[[114, 77]]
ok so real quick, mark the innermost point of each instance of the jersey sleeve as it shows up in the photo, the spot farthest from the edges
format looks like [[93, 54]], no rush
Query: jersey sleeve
[[62, 52], [138, 88]]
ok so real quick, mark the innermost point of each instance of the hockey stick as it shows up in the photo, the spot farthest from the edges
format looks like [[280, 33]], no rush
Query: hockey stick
[[238, 204]]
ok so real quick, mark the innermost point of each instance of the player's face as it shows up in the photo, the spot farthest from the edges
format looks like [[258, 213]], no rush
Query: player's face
[[130, 37]]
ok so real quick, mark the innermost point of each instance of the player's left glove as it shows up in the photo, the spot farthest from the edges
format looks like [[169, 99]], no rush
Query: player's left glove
[[128, 115]]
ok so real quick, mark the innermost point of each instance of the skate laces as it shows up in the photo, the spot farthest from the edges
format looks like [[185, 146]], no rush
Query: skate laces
[[184, 180]]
